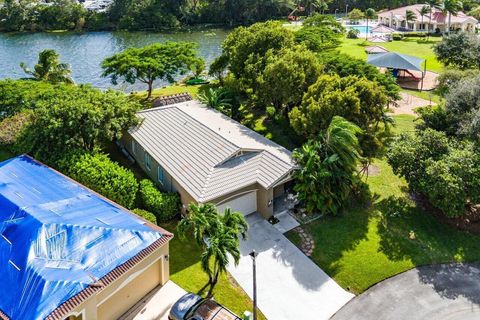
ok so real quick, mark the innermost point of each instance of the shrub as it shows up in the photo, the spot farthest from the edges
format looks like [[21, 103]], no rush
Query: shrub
[[397, 36], [353, 34], [146, 215], [98, 172], [165, 206], [415, 34], [271, 112]]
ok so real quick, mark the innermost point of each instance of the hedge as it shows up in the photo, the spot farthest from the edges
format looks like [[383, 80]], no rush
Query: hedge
[[146, 215], [165, 206], [98, 172]]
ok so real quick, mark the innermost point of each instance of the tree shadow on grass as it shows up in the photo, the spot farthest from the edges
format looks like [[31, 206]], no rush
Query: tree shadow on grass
[[408, 233]]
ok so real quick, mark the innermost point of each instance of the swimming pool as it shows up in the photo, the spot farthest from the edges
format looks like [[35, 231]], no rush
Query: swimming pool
[[361, 29]]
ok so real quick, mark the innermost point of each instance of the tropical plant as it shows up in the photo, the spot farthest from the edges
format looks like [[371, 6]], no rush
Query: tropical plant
[[147, 64], [49, 68], [410, 16], [327, 166], [218, 234], [353, 34], [451, 7], [218, 99], [432, 4], [369, 14], [424, 11]]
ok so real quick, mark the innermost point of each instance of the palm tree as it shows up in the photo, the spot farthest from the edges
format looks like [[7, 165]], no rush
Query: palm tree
[[369, 14], [424, 11], [451, 7], [410, 16], [217, 99], [218, 235], [433, 4], [49, 68]]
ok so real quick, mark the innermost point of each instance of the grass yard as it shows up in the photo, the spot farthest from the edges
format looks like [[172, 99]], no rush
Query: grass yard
[[412, 46], [169, 90], [367, 245], [185, 270]]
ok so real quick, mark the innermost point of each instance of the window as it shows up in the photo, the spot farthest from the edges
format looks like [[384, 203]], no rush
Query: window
[[148, 161], [134, 147], [161, 175]]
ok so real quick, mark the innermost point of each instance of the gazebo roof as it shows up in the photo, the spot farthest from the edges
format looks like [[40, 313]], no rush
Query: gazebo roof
[[395, 60], [383, 29], [375, 49]]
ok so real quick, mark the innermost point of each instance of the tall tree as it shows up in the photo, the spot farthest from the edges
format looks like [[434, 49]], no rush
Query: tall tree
[[451, 7], [49, 68], [147, 64], [218, 234], [433, 4], [369, 14]]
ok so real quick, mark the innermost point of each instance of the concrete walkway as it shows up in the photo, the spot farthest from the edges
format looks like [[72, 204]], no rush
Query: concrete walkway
[[289, 285], [440, 292], [155, 305]]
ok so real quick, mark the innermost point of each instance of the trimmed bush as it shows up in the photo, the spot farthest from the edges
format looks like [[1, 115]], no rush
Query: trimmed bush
[[98, 172], [414, 34], [146, 215], [165, 206], [353, 34], [397, 36]]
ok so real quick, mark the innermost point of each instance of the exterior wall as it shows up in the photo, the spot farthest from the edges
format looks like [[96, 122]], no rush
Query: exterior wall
[[278, 191], [139, 156], [115, 299]]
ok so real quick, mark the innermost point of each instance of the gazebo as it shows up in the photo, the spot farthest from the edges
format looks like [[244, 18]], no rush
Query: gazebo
[[382, 29], [375, 50], [401, 65]]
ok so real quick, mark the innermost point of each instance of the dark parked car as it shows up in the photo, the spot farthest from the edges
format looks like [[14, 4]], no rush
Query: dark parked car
[[194, 307]]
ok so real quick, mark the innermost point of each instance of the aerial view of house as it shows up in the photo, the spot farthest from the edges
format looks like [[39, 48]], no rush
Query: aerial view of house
[[239, 160], [69, 253], [208, 157]]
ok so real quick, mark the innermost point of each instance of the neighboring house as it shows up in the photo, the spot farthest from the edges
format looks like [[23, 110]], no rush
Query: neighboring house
[[206, 156], [396, 19], [69, 253]]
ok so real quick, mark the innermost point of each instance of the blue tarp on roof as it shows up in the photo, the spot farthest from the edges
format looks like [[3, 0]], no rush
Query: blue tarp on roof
[[56, 238]]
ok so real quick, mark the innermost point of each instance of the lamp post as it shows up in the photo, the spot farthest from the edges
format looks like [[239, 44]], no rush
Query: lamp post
[[336, 14], [346, 11], [254, 255]]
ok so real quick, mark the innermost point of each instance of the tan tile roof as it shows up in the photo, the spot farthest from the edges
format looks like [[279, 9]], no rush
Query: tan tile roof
[[208, 153]]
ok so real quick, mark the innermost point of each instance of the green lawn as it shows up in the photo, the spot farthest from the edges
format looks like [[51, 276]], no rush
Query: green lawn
[[185, 270], [411, 46], [367, 245]]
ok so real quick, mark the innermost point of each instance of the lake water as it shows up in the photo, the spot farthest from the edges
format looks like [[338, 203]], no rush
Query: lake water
[[85, 51]]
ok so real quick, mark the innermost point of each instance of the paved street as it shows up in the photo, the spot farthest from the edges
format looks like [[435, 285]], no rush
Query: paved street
[[440, 292]]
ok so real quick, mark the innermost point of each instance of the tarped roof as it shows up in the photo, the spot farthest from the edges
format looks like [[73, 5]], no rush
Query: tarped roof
[[395, 60], [57, 238]]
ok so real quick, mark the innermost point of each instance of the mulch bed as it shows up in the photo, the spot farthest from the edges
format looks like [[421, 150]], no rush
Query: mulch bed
[[469, 222]]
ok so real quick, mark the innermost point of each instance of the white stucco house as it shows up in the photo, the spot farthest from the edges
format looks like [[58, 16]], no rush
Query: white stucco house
[[396, 19]]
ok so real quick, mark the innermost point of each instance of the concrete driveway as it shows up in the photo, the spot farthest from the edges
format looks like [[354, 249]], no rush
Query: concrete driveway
[[440, 292], [289, 285], [155, 305]]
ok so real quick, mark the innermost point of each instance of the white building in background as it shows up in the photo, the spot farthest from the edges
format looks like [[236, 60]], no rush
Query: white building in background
[[96, 5], [396, 19]]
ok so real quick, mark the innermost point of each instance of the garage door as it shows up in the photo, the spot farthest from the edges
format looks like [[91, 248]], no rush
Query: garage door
[[246, 203]]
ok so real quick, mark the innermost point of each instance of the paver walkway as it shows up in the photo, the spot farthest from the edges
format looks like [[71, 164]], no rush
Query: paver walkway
[[440, 292], [408, 103], [289, 285]]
